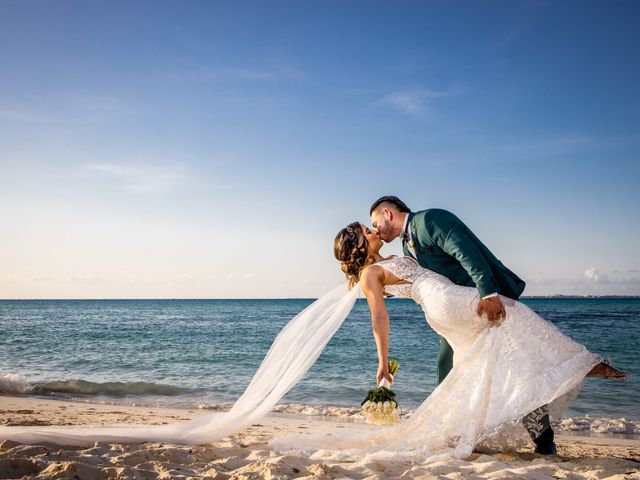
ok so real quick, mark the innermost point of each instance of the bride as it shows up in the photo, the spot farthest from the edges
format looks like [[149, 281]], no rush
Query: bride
[[499, 372], [502, 370]]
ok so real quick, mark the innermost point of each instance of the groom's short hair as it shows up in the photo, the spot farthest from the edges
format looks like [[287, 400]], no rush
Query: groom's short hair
[[392, 201]]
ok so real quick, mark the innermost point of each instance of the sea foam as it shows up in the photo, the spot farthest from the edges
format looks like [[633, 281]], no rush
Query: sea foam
[[585, 424], [601, 425], [16, 384]]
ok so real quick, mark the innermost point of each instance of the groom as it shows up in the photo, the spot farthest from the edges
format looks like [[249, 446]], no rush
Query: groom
[[439, 241]]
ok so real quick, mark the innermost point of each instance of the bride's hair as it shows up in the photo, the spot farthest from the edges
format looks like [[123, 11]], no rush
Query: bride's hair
[[350, 248]]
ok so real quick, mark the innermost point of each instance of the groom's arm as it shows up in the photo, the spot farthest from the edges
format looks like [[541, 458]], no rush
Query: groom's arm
[[450, 234], [459, 245]]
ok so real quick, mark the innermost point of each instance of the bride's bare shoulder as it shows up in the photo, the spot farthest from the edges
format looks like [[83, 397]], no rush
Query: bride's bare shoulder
[[373, 269], [372, 274]]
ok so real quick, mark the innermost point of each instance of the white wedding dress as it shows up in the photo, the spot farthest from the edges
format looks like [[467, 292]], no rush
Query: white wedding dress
[[501, 373]]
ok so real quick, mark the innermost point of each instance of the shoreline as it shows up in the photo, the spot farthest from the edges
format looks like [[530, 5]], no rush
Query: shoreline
[[577, 425], [247, 455]]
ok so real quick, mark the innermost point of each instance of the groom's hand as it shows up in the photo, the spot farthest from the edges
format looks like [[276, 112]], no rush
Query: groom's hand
[[493, 307]]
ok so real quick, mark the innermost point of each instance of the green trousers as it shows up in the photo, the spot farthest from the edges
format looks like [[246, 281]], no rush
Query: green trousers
[[445, 360]]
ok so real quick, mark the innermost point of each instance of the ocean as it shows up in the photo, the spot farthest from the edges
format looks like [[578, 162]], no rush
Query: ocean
[[203, 353]]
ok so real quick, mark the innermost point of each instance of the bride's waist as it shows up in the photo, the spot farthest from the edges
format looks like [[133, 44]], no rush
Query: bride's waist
[[429, 282], [431, 276]]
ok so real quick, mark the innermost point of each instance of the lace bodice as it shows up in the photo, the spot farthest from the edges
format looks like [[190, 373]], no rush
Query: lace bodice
[[405, 268]]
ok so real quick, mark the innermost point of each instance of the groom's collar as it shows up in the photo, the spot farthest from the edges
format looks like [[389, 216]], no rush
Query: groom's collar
[[404, 235]]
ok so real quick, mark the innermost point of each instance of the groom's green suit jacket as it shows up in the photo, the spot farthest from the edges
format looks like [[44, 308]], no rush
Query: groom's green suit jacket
[[446, 245]]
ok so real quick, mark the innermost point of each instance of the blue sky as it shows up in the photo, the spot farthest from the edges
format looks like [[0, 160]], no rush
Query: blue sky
[[213, 149]]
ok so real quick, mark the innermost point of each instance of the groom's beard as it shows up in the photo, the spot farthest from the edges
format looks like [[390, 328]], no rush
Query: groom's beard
[[386, 235], [389, 238]]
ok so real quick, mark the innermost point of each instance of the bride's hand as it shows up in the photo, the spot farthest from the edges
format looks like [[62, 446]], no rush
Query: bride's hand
[[383, 372]]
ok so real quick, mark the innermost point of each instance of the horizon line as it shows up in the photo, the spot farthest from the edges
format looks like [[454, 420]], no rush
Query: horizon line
[[555, 295]]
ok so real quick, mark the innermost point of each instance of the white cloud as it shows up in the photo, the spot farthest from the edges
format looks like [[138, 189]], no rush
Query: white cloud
[[24, 115], [595, 275], [142, 179], [592, 282], [410, 102], [67, 107]]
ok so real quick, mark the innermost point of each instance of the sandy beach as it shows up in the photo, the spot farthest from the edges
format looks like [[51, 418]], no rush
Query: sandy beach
[[246, 455]]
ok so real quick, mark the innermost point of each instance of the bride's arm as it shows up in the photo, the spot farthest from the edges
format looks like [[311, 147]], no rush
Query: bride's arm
[[372, 284]]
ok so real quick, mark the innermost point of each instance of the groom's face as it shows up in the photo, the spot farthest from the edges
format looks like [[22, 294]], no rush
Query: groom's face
[[381, 222]]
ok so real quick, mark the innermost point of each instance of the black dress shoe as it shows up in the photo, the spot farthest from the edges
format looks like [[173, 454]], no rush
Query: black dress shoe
[[544, 443], [548, 449]]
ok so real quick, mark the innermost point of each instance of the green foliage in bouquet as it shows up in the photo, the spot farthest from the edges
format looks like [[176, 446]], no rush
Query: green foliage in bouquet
[[394, 366], [383, 394]]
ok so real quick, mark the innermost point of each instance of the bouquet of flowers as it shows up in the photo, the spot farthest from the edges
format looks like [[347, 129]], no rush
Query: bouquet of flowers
[[379, 406]]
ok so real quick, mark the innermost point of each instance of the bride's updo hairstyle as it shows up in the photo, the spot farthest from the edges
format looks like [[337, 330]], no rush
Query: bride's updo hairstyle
[[350, 249]]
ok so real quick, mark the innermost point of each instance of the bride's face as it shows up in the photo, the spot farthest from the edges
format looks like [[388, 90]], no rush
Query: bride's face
[[373, 239]]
